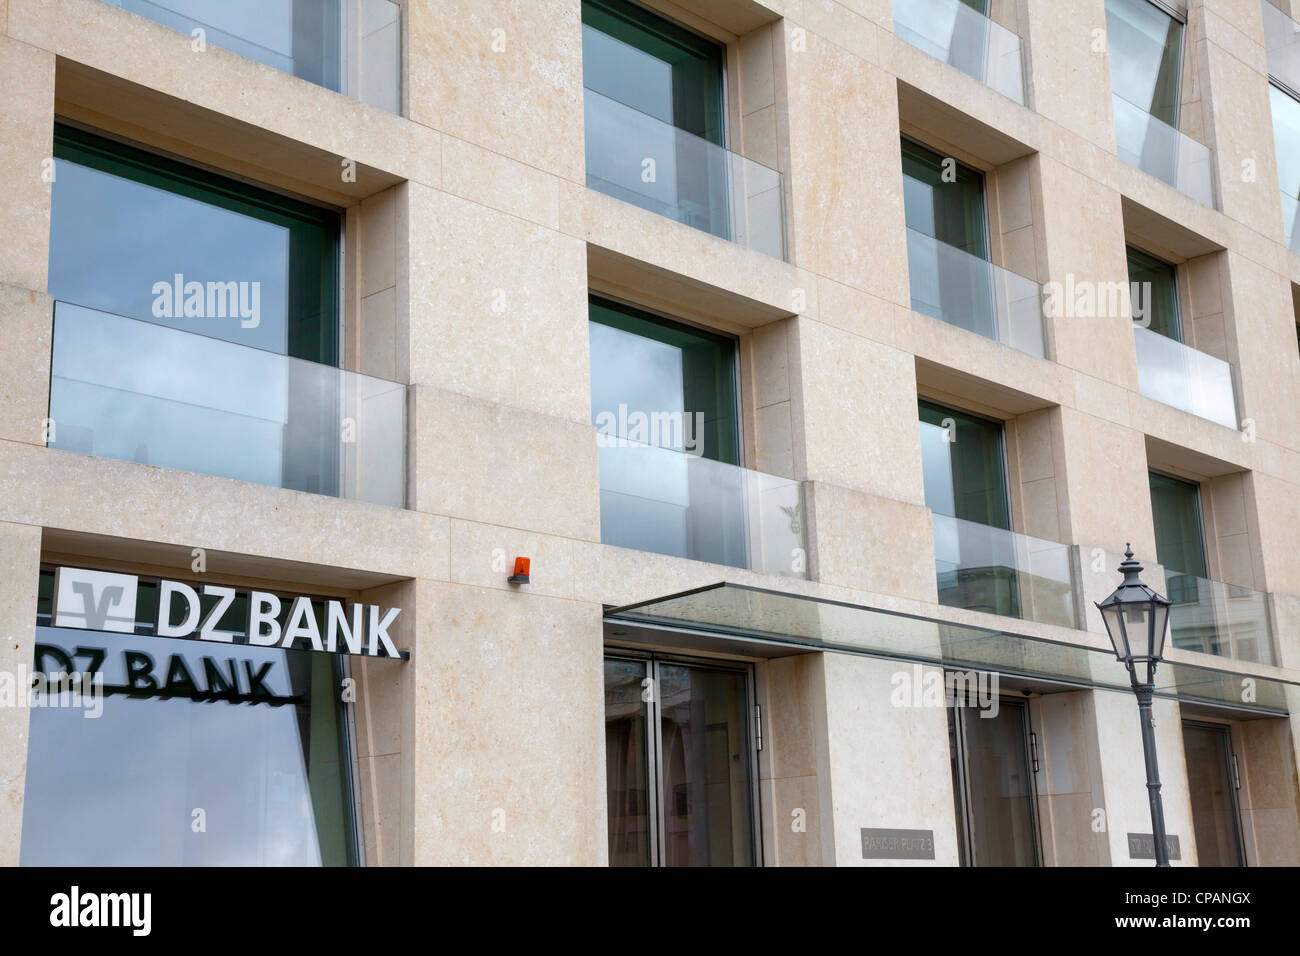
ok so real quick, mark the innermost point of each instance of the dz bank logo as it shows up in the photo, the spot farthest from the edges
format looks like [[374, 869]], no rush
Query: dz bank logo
[[94, 600]]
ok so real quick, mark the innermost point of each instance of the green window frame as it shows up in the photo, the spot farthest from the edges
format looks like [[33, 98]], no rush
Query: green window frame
[[1161, 301], [1180, 534], [312, 319], [977, 467], [952, 211], [697, 65], [708, 367]]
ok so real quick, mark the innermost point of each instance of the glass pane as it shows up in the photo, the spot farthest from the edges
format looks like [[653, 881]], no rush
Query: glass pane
[[951, 211], [135, 391], [1213, 796], [705, 768], [1155, 299], [999, 785], [1176, 375], [959, 33], [654, 66], [626, 772], [671, 385], [137, 235], [963, 466], [1180, 546], [1145, 46], [248, 741], [296, 36]]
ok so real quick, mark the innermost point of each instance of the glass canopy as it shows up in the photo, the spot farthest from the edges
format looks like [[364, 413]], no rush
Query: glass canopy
[[816, 624]]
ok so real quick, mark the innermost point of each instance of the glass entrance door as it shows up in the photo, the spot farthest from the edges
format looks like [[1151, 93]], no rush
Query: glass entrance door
[[1211, 782], [679, 764], [993, 784]]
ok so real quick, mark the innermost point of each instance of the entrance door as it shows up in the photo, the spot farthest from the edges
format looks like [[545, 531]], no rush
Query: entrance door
[[994, 785], [679, 764], [1211, 781]]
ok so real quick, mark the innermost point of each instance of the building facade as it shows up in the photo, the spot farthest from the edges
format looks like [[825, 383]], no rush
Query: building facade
[[646, 433]]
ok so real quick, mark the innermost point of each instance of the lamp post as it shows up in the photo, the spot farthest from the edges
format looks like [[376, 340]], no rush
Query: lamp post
[[1137, 619]]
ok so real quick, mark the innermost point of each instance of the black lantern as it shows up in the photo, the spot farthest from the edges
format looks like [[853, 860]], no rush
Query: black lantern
[[1136, 619]]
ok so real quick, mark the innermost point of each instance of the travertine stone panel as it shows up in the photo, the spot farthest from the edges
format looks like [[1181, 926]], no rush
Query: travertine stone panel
[[1123, 769], [1106, 464], [60, 489], [504, 75], [1069, 70], [876, 544], [888, 764], [1261, 335], [793, 765], [845, 179], [499, 465], [1278, 502], [20, 558], [498, 307], [1084, 240], [25, 337], [27, 117], [856, 397], [1240, 123], [509, 730]]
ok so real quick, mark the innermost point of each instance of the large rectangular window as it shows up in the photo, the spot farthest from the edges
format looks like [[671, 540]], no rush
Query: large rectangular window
[[1176, 511], [1156, 283], [128, 226], [964, 470], [207, 754], [1145, 45], [196, 327], [663, 400], [679, 763], [655, 121]]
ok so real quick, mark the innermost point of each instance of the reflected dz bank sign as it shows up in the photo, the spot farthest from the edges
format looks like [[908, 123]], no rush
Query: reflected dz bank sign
[[106, 601]]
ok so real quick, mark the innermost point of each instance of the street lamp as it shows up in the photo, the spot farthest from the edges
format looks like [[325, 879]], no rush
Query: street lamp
[[1137, 619]]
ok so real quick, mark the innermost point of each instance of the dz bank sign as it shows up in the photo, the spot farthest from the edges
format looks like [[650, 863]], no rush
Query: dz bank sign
[[106, 601]]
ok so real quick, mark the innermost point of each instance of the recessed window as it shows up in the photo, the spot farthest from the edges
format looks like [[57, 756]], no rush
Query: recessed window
[[1155, 283], [1145, 45]]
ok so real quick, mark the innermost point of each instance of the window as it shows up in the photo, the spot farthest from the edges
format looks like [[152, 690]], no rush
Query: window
[[196, 323], [1155, 284], [964, 470], [1176, 511], [206, 754], [663, 400], [654, 117], [680, 763], [125, 224], [651, 64], [947, 243], [1145, 45], [948, 208], [964, 466]]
